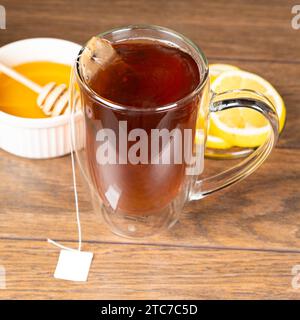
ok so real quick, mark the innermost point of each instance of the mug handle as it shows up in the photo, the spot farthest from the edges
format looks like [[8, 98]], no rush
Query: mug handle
[[237, 99]]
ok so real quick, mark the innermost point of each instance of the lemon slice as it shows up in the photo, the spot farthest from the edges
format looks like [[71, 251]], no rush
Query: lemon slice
[[214, 71], [217, 143], [212, 141], [244, 127], [217, 68]]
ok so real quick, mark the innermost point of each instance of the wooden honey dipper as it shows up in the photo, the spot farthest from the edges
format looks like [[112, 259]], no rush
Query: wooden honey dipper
[[52, 98]]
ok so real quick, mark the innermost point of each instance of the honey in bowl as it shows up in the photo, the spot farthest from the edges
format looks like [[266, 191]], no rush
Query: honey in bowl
[[18, 100]]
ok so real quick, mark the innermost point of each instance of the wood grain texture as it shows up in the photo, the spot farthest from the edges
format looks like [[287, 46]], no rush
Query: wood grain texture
[[139, 272], [261, 212], [241, 242], [255, 30]]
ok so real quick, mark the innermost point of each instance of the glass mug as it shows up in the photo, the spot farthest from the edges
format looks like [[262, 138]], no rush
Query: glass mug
[[142, 197]]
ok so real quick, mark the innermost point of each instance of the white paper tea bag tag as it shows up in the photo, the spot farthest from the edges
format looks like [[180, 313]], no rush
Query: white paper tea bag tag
[[73, 265]]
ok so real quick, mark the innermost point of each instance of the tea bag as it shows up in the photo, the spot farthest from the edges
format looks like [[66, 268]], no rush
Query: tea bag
[[98, 53]]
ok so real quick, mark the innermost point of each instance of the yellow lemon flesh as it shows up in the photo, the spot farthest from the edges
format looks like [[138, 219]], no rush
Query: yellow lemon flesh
[[244, 127], [214, 71], [217, 68]]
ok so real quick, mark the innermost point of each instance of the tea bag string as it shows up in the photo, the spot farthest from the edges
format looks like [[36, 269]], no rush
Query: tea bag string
[[101, 52], [75, 196]]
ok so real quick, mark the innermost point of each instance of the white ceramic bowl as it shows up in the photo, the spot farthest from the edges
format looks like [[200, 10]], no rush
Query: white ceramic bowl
[[38, 138]]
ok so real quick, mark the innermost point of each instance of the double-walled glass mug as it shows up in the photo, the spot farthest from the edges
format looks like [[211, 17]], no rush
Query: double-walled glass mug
[[143, 164]]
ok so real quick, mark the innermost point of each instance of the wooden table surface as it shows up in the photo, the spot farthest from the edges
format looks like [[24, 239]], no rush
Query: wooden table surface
[[239, 243]]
